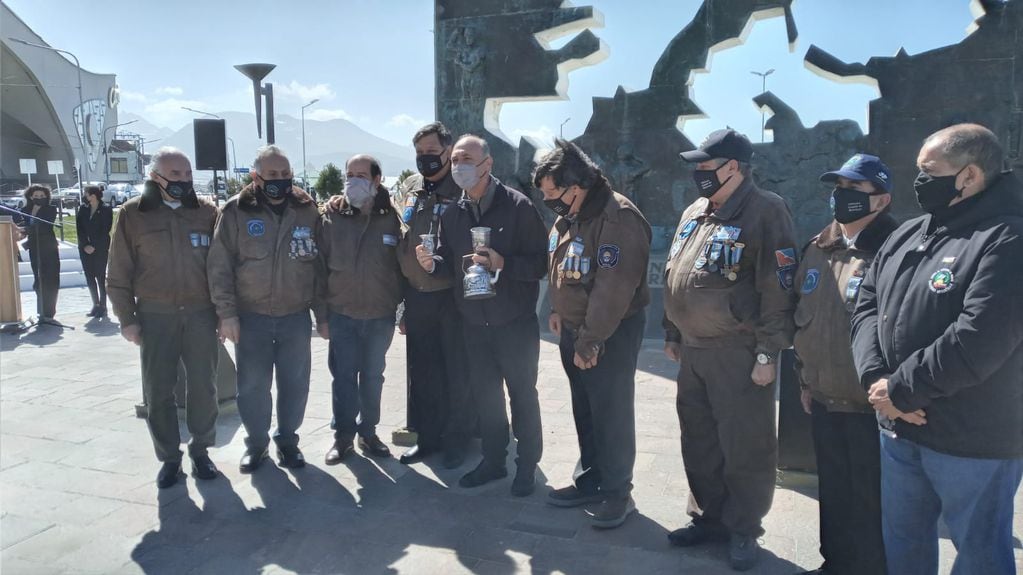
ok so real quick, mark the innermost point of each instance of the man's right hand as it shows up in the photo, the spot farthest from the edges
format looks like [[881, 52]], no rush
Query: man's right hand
[[425, 259], [554, 322], [334, 203], [807, 400], [89, 250], [132, 333], [229, 328], [673, 350]]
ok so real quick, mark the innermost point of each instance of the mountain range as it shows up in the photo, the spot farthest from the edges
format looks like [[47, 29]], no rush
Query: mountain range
[[328, 141]]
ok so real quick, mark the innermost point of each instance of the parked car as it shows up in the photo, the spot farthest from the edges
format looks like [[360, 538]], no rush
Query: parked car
[[69, 197], [14, 200], [78, 190], [135, 191], [117, 194]]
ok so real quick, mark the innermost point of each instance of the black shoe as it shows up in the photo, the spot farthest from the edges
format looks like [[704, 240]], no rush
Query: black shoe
[[454, 456], [203, 468], [101, 312], [742, 552], [571, 496], [697, 533], [373, 446], [484, 473], [93, 311], [290, 457], [341, 449], [169, 474], [612, 512], [414, 454], [252, 460], [524, 483]]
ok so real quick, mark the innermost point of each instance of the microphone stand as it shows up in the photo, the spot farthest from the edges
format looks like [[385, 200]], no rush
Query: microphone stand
[[38, 319]]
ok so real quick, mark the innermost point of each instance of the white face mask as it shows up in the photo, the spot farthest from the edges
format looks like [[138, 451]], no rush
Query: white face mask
[[359, 192], [465, 176]]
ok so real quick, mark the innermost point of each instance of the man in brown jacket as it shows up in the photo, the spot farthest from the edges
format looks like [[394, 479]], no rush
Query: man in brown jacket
[[728, 306], [599, 249], [363, 289], [156, 281], [439, 400], [844, 427], [263, 267]]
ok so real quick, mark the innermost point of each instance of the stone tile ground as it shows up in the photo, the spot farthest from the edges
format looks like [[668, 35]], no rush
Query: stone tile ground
[[77, 492]]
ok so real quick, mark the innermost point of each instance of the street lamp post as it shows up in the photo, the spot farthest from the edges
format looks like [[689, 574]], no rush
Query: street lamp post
[[106, 146], [561, 130], [763, 88], [234, 158], [305, 184], [81, 100]]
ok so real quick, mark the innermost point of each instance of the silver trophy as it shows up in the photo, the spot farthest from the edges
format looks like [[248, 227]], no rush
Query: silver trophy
[[480, 238], [429, 242]]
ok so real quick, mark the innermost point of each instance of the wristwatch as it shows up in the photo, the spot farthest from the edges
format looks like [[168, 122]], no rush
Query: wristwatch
[[765, 358]]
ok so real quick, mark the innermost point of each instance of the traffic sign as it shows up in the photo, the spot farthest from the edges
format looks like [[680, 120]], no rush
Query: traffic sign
[[28, 166], [55, 167], [241, 170]]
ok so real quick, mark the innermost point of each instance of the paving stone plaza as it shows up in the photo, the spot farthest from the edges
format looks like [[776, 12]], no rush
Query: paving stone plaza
[[77, 481]]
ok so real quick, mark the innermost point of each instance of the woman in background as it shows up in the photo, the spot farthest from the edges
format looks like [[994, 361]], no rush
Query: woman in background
[[42, 249], [94, 222]]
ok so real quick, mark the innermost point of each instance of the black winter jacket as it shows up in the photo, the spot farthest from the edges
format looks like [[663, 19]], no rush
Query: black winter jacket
[[518, 234], [941, 311]]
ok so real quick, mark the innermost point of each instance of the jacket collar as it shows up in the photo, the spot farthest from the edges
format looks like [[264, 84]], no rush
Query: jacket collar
[[869, 240], [738, 200], [1003, 197], [152, 198], [596, 201], [381, 205], [445, 188]]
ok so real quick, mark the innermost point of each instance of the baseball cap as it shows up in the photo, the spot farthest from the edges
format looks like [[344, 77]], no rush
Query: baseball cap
[[726, 143], [863, 167]]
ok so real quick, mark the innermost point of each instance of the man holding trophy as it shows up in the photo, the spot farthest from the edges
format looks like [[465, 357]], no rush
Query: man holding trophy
[[493, 242]]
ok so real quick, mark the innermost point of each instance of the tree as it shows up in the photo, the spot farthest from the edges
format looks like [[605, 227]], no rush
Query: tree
[[330, 183]]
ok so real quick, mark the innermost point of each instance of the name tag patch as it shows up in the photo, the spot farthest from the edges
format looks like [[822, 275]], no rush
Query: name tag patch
[[199, 240], [390, 240]]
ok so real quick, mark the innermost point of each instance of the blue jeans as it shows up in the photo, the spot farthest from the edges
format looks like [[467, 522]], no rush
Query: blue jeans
[[267, 342], [974, 496], [357, 361]]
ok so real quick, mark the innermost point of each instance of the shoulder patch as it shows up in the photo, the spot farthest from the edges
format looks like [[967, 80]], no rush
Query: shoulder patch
[[256, 228], [786, 276], [607, 256], [786, 257], [810, 282], [552, 241]]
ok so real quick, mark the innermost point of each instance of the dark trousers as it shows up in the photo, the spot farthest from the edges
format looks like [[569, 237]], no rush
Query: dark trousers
[[440, 405], [729, 445], [45, 263], [191, 338], [506, 355], [604, 408], [267, 343], [356, 358], [95, 267], [849, 472]]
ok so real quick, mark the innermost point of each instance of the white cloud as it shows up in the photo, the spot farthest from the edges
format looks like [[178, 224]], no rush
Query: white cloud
[[302, 93], [129, 96], [405, 121], [326, 115], [542, 135], [169, 91]]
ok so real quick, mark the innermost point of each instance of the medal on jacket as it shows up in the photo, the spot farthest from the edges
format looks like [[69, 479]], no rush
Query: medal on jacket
[[575, 250], [715, 255], [584, 266], [736, 250]]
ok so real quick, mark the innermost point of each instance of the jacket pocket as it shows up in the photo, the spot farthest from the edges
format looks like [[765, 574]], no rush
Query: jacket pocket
[[709, 313], [254, 249]]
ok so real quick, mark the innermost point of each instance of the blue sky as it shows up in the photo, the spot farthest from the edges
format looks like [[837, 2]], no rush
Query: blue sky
[[371, 61]]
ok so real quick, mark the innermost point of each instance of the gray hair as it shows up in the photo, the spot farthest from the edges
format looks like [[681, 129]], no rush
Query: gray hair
[[483, 143], [165, 152], [965, 144], [265, 152]]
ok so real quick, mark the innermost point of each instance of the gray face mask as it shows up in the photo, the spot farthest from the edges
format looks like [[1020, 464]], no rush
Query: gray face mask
[[359, 192], [465, 175]]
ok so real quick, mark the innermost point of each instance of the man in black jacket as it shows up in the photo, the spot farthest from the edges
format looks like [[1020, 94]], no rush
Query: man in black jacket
[[502, 335], [937, 337]]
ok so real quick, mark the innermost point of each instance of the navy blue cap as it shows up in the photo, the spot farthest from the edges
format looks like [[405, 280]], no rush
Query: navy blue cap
[[727, 144], [863, 168]]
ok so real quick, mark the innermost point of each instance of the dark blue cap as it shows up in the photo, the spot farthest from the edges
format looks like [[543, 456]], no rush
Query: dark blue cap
[[863, 168], [726, 144]]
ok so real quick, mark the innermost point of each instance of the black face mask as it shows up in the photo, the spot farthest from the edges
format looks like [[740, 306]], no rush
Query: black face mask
[[558, 206], [934, 193], [41, 202], [276, 189], [849, 205], [430, 165], [707, 181], [176, 190]]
